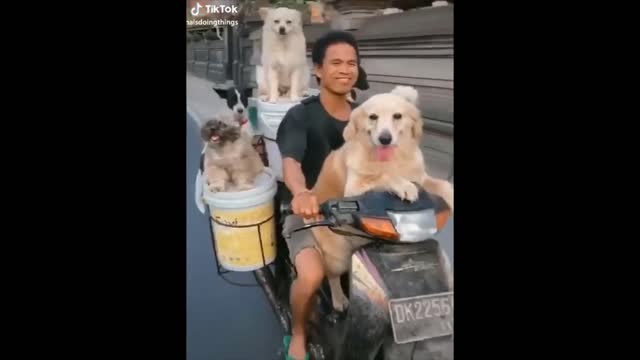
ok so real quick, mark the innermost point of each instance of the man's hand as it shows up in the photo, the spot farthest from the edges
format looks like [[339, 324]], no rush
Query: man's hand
[[305, 204]]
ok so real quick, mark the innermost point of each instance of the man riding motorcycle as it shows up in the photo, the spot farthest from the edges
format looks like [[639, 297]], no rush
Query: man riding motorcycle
[[307, 134]]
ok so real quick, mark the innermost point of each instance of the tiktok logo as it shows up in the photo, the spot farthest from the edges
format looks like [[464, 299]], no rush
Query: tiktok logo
[[196, 9]]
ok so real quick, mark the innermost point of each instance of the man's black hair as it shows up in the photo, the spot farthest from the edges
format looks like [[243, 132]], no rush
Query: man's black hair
[[332, 37]]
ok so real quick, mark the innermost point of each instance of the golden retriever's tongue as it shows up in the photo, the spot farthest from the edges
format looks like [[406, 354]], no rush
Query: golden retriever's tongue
[[384, 153]]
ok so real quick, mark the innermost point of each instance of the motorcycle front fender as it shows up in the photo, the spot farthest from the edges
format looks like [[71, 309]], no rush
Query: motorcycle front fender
[[380, 272]]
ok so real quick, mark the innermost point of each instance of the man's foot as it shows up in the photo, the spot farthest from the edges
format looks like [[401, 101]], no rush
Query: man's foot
[[297, 349]]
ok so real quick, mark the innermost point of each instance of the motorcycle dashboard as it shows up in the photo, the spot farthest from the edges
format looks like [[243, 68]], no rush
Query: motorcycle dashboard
[[377, 203]]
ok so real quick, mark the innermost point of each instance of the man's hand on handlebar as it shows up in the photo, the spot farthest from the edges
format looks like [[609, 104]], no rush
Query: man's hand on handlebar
[[305, 204]]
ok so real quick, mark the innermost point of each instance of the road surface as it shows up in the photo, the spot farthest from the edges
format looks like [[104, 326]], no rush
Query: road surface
[[224, 322]]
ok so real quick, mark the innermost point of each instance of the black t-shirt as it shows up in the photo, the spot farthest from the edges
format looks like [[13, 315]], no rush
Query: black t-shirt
[[308, 133]]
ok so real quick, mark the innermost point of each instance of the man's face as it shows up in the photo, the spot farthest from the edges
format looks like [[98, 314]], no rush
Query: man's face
[[339, 70]]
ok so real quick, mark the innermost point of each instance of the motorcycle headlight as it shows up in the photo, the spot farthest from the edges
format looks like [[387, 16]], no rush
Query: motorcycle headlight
[[414, 226]]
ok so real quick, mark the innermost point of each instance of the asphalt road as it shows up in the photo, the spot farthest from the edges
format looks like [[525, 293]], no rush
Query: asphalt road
[[226, 322]]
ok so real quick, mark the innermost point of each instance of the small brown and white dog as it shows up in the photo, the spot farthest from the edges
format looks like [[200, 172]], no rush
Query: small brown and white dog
[[381, 152], [284, 68], [229, 157]]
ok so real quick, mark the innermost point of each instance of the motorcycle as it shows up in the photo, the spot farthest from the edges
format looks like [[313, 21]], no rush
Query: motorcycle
[[400, 283]]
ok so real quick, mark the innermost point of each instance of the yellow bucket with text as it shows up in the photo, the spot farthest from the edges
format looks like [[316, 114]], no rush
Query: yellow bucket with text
[[244, 231]]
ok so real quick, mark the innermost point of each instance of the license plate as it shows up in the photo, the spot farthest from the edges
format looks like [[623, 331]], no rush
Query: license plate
[[421, 317]]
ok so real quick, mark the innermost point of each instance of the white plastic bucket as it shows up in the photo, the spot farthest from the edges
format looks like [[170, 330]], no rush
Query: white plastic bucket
[[243, 224], [252, 108], [269, 118]]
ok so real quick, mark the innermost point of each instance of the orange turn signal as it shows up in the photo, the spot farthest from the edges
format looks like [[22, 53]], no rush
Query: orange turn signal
[[441, 218], [380, 227]]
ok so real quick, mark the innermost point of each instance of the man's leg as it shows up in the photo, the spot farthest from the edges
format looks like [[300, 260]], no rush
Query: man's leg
[[310, 274]]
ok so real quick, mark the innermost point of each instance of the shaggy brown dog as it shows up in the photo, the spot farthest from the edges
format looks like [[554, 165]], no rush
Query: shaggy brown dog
[[229, 158]]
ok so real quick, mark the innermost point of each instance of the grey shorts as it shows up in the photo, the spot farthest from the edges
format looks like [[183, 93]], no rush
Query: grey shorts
[[299, 240]]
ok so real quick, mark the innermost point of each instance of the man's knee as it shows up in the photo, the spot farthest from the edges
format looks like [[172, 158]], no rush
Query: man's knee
[[309, 269]]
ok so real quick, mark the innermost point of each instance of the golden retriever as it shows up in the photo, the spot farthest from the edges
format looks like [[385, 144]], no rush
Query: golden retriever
[[229, 156], [381, 152]]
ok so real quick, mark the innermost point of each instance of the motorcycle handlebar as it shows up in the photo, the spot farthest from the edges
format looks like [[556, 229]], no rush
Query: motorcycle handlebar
[[334, 218], [286, 209]]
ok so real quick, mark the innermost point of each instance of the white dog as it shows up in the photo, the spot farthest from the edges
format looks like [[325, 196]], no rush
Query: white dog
[[284, 55]]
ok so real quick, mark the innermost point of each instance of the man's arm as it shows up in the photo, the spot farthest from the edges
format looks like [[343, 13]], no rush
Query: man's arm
[[304, 203], [292, 143], [293, 176]]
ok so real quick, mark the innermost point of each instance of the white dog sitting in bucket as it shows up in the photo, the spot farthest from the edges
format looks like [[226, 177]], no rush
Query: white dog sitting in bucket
[[284, 67]]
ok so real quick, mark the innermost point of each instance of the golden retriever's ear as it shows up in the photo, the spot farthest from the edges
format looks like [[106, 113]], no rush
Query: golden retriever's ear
[[408, 93], [263, 11], [416, 128], [352, 127], [349, 131]]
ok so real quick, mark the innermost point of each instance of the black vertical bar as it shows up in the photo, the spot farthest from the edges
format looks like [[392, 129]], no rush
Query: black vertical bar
[[264, 262]]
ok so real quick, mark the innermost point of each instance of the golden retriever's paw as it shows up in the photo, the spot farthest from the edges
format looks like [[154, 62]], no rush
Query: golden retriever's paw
[[273, 99], [216, 186], [406, 191], [263, 97]]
